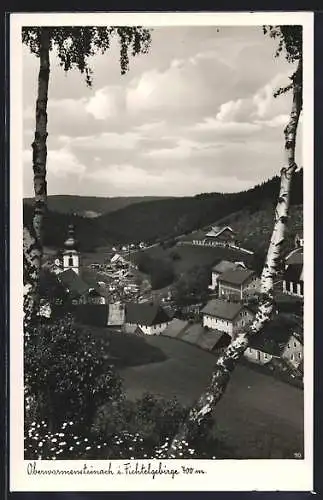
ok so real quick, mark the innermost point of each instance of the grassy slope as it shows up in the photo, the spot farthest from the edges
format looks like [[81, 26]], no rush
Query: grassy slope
[[256, 426], [190, 256]]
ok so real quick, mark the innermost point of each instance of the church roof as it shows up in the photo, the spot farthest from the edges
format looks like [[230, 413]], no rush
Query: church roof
[[71, 243], [73, 282]]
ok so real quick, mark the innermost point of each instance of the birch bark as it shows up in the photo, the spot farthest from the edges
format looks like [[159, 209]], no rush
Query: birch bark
[[33, 240]]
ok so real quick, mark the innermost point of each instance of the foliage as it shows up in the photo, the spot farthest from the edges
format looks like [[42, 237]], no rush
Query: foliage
[[290, 42], [69, 372], [161, 271], [192, 287], [75, 45], [122, 430]]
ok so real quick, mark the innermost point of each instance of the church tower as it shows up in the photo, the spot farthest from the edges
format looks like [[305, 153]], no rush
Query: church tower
[[71, 256]]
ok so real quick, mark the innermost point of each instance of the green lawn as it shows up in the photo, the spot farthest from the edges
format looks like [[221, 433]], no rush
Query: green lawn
[[128, 350], [260, 417], [190, 256]]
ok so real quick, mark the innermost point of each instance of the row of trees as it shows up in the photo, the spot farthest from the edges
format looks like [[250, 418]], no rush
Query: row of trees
[[74, 46]]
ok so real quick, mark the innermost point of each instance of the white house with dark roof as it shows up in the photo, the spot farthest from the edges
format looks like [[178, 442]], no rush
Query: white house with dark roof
[[224, 235], [234, 283], [281, 338], [227, 317], [220, 268], [151, 318]]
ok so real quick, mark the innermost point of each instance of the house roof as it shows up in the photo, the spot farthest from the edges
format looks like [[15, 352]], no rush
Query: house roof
[[276, 334], [175, 327], [294, 272], [236, 276], [73, 282], [222, 309], [145, 313], [295, 256], [224, 265], [209, 339], [217, 230]]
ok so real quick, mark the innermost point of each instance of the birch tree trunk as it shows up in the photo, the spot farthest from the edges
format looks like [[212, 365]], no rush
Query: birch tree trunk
[[32, 257], [225, 365], [33, 240], [39, 145]]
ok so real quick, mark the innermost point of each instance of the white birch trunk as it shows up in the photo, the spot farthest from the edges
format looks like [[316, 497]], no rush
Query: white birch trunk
[[33, 240], [39, 145], [225, 365], [32, 257]]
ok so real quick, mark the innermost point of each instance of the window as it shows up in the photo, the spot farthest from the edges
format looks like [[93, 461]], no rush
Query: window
[[299, 355], [265, 356], [70, 261], [295, 345], [292, 357], [288, 345]]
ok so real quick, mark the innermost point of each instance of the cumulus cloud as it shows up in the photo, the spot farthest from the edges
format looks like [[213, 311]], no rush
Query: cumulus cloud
[[107, 102], [191, 116], [60, 163]]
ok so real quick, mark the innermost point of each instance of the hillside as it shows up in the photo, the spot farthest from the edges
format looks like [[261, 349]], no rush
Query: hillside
[[164, 219], [89, 233], [90, 206]]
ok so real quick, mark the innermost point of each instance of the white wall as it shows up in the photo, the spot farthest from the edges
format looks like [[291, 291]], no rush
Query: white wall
[[148, 330], [293, 352], [218, 324], [288, 288], [256, 356], [215, 277], [230, 327], [229, 291], [76, 262]]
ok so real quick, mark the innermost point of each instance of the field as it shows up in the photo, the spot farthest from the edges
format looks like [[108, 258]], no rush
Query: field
[[188, 256], [258, 417]]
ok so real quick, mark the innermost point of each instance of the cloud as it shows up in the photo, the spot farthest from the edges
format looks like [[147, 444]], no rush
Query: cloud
[[107, 102], [106, 141], [277, 121], [217, 125], [183, 149], [60, 163]]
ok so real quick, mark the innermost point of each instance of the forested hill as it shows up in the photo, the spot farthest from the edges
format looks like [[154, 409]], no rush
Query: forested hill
[[91, 206], [161, 219]]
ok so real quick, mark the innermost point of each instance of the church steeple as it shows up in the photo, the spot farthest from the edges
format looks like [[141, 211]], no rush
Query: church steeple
[[71, 256]]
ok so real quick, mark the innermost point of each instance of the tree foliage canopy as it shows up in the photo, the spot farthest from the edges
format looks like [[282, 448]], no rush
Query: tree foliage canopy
[[290, 44], [74, 45]]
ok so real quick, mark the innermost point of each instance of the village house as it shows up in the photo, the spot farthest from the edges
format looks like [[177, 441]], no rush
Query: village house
[[293, 278], [220, 235], [220, 268], [282, 338], [149, 317], [216, 236], [235, 284], [227, 317]]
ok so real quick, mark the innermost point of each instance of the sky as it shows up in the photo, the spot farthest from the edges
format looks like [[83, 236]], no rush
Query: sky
[[194, 115]]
